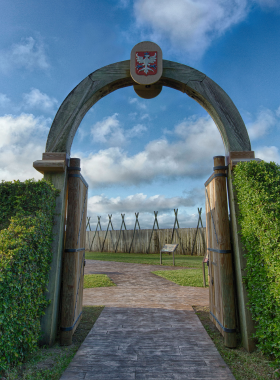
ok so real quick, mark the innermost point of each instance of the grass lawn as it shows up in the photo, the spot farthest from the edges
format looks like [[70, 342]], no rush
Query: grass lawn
[[151, 258], [97, 281], [50, 363], [185, 277], [244, 366]]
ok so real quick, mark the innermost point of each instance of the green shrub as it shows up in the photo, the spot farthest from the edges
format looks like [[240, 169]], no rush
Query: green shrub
[[26, 198], [25, 256], [258, 189]]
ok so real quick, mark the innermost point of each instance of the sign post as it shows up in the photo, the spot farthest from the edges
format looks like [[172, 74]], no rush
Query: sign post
[[170, 248]]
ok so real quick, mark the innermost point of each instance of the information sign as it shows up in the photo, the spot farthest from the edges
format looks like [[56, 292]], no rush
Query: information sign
[[170, 248]]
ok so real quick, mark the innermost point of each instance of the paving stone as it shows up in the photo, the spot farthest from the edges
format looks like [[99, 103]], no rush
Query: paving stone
[[75, 375], [148, 330], [110, 376]]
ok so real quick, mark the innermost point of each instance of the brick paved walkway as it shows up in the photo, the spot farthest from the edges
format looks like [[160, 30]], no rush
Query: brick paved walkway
[[148, 330]]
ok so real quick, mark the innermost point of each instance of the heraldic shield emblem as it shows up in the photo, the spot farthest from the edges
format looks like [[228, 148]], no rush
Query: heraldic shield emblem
[[146, 63]]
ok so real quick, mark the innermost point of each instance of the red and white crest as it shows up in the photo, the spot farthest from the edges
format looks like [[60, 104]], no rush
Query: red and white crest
[[146, 62]]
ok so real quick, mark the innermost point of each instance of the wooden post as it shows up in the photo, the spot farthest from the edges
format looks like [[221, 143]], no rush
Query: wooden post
[[209, 242], [70, 262], [203, 273], [54, 167], [225, 259]]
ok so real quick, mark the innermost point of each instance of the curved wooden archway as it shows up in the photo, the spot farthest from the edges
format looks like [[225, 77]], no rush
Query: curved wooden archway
[[175, 75], [66, 122]]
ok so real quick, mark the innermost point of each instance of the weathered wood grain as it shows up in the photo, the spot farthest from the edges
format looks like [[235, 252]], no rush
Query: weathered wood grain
[[234, 155], [55, 156], [142, 239], [44, 166], [73, 261], [221, 290], [50, 320], [175, 75], [225, 259]]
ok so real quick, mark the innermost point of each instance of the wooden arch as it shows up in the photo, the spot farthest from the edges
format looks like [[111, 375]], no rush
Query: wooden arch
[[55, 165], [175, 75]]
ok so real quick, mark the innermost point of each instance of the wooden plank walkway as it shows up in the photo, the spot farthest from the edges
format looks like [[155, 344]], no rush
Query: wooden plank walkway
[[146, 331]]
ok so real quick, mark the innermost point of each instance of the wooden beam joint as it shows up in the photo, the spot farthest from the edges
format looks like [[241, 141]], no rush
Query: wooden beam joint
[[236, 157], [52, 162]]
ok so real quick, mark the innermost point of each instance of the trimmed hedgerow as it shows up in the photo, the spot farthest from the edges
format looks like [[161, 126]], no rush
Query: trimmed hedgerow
[[26, 198], [258, 195], [26, 213]]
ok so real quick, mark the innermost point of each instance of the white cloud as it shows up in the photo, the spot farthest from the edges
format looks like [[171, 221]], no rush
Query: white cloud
[[38, 100], [268, 153], [136, 131], [4, 100], [22, 141], [132, 115], [265, 121], [140, 105], [109, 131], [29, 54], [190, 25], [140, 201], [102, 206], [199, 138]]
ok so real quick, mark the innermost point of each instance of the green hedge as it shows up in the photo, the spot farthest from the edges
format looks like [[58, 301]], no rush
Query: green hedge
[[26, 215], [258, 195]]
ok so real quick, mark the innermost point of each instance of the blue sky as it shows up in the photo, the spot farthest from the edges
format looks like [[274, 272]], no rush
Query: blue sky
[[137, 155]]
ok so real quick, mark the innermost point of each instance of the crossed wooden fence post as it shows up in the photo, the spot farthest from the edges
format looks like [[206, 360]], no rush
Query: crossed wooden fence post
[[123, 228], [136, 222], [155, 223], [176, 222], [98, 224], [110, 223], [201, 231], [88, 223], [123, 224]]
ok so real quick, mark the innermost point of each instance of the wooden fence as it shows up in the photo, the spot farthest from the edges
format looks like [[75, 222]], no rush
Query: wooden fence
[[142, 238]]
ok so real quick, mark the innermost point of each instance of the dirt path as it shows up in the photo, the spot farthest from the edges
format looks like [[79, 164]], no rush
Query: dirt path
[[138, 287]]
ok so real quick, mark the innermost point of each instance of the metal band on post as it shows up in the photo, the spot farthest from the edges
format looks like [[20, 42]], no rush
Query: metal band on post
[[74, 250], [224, 328], [219, 250]]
